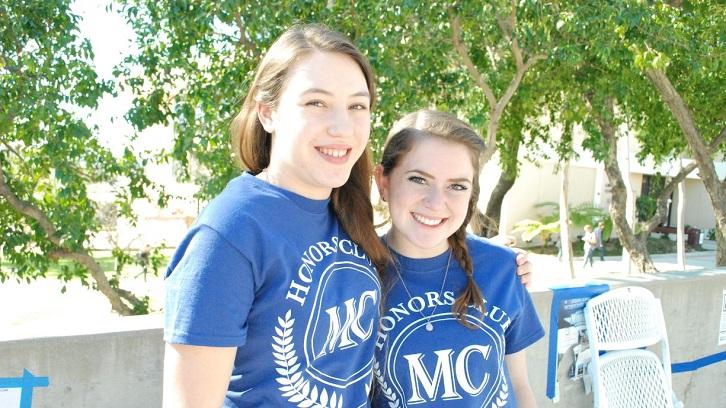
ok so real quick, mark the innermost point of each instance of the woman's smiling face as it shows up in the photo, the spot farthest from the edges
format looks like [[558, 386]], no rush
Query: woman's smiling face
[[428, 196], [320, 126]]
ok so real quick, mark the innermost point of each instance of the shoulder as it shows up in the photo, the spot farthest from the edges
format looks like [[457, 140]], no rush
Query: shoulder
[[238, 213], [241, 195], [480, 247]]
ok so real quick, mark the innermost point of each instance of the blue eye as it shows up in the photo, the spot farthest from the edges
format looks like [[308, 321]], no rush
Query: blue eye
[[316, 103], [458, 187], [417, 180]]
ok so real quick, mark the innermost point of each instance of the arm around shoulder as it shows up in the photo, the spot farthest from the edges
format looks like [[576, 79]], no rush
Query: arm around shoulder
[[517, 366], [196, 376]]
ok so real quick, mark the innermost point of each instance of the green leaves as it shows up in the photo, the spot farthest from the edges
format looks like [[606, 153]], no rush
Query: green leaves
[[49, 155]]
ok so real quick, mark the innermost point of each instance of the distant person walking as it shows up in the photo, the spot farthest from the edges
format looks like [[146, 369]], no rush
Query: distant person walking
[[590, 243], [598, 236]]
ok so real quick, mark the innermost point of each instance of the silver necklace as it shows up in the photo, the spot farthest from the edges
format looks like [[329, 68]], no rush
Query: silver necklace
[[429, 326]]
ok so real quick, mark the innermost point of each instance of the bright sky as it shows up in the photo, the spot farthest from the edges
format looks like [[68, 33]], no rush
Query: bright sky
[[112, 40]]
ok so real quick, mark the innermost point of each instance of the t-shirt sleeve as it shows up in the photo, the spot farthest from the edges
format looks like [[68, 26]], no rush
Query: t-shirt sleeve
[[526, 328], [209, 292]]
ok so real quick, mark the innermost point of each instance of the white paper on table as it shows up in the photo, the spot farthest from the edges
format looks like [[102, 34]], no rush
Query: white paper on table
[[10, 397], [722, 331]]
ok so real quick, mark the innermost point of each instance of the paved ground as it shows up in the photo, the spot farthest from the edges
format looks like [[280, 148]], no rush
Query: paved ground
[[40, 309], [549, 271]]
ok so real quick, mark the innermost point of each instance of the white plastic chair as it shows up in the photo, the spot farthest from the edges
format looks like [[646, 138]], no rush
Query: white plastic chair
[[622, 323]]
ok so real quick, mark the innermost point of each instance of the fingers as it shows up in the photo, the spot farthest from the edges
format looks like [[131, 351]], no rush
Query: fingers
[[524, 267]]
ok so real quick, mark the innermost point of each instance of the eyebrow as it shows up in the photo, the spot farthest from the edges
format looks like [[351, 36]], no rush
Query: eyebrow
[[455, 180], [323, 91]]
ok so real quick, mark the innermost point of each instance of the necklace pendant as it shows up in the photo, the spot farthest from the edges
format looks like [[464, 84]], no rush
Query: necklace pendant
[[429, 327]]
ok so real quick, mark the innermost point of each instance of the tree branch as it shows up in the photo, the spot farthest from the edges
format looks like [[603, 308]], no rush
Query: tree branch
[[29, 210], [714, 145], [701, 151], [507, 25], [662, 199], [463, 52], [13, 151], [243, 34], [114, 295], [718, 140]]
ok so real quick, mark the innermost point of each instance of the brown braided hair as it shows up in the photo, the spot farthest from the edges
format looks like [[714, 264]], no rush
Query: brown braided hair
[[430, 123], [251, 144]]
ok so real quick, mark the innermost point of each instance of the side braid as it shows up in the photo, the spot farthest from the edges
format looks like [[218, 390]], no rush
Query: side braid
[[471, 295]]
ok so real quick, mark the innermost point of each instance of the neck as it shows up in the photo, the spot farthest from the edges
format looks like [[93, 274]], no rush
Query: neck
[[395, 242], [276, 178]]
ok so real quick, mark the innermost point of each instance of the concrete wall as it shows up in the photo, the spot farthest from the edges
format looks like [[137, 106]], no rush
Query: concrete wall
[[122, 368], [112, 369]]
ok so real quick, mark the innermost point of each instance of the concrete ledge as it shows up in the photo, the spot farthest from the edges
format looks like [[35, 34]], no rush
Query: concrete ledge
[[112, 367], [120, 365]]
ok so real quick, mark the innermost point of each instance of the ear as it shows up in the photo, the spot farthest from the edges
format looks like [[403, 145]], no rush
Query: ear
[[266, 115], [381, 182]]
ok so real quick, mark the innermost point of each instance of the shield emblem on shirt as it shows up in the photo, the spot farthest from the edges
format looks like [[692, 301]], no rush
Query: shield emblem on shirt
[[344, 318]]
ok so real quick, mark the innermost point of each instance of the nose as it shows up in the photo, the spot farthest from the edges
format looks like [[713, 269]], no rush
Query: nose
[[435, 198], [341, 124]]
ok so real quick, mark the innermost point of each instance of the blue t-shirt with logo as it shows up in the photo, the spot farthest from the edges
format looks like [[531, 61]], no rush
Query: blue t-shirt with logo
[[275, 275], [452, 365]]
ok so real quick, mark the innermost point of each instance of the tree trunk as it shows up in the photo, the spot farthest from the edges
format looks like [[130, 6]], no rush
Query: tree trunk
[[83, 257], [493, 214], [638, 252], [720, 246], [565, 243], [646, 228], [701, 154]]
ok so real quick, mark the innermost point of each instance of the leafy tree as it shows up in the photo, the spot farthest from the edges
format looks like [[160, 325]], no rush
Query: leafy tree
[[691, 33], [49, 156], [601, 88], [684, 61]]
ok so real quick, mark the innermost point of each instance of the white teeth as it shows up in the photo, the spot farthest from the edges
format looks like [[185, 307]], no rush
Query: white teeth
[[427, 221], [333, 152]]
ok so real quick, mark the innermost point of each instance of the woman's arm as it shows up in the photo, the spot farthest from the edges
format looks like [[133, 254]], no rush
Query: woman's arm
[[517, 366], [196, 376]]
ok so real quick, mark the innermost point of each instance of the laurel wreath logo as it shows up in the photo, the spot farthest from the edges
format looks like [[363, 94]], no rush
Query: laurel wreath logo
[[385, 388], [503, 395], [293, 384]]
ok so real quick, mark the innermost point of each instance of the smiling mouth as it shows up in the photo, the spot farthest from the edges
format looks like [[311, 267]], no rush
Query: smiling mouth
[[431, 222], [333, 153]]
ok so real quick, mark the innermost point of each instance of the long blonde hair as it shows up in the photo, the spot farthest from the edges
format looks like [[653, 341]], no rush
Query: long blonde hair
[[252, 144], [430, 123]]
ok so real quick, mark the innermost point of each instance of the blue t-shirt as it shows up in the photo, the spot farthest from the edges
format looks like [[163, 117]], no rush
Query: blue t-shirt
[[274, 274], [452, 365]]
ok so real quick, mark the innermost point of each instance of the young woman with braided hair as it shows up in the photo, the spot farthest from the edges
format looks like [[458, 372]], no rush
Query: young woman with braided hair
[[456, 318]]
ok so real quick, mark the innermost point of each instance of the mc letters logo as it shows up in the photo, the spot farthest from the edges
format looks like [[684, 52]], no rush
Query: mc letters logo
[[342, 318], [444, 372]]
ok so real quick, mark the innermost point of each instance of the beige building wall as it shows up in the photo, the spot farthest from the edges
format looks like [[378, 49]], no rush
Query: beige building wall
[[536, 185], [698, 210]]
